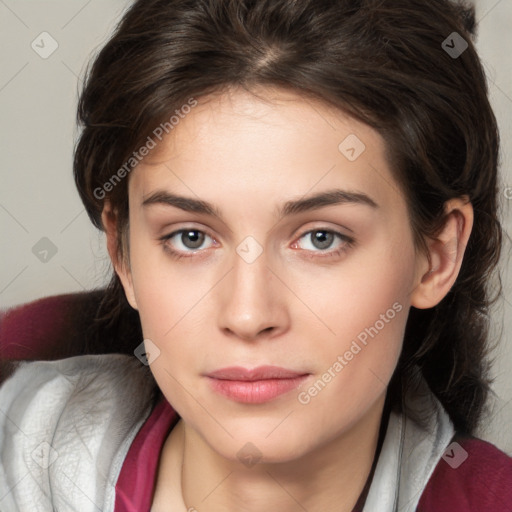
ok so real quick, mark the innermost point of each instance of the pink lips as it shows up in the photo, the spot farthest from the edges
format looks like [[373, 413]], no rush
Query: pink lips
[[254, 386]]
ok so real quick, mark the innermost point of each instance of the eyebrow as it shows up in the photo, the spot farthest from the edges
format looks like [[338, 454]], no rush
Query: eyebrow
[[294, 207]]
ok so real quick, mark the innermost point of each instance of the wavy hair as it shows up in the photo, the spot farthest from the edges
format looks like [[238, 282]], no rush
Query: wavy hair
[[381, 61]]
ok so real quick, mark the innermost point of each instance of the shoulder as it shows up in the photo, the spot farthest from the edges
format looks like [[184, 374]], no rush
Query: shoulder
[[68, 424], [472, 475], [55, 386]]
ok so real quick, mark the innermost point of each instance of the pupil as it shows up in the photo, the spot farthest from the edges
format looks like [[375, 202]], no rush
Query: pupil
[[322, 239], [192, 239]]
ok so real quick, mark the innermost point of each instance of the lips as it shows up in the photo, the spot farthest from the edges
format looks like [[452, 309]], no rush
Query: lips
[[257, 385], [259, 373]]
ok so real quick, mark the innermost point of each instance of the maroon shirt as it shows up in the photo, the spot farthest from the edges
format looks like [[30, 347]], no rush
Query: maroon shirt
[[482, 483]]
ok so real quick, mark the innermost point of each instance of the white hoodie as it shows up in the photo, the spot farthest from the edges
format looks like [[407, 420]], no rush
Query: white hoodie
[[67, 425]]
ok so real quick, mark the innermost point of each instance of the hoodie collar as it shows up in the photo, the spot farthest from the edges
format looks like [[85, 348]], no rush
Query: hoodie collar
[[415, 440]]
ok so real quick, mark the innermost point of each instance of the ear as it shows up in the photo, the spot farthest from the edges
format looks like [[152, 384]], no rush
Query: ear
[[446, 252], [121, 265]]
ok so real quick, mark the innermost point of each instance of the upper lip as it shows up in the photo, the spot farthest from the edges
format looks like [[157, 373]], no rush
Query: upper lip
[[259, 373]]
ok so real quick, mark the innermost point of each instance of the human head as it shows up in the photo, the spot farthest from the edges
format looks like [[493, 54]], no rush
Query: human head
[[370, 60]]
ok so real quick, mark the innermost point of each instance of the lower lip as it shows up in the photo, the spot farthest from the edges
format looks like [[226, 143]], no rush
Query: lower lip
[[255, 392]]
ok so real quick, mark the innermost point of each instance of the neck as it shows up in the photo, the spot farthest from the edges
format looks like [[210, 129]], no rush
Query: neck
[[329, 478]]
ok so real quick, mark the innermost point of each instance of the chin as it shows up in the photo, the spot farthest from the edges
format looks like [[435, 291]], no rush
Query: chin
[[251, 445]]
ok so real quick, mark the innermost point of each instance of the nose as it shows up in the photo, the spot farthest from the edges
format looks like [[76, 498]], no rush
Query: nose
[[253, 301]]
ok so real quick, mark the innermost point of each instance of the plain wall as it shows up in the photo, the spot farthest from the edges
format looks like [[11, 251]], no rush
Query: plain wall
[[37, 131]]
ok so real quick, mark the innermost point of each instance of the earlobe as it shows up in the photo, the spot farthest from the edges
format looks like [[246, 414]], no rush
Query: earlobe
[[446, 253], [119, 260]]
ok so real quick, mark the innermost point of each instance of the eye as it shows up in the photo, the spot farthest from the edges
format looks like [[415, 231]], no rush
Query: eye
[[323, 240], [186, 240]]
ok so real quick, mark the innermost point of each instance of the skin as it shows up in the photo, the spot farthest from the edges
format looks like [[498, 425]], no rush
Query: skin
[[292, 307]]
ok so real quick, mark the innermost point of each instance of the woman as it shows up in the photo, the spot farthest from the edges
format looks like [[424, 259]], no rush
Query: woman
[[299, 199]]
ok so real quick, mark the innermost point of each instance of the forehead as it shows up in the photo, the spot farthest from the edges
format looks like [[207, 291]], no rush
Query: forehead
[[266, 144]]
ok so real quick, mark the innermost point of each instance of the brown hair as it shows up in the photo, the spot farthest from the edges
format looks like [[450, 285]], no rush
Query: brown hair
[[381, 61]]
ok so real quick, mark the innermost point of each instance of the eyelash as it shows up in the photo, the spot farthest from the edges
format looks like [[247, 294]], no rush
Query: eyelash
[[348, 242], [179, 254]]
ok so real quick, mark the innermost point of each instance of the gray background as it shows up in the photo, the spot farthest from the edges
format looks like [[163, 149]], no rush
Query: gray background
[[37, 132]]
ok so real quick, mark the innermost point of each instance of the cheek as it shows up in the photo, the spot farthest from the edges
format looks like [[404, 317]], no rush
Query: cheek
[[355, 365], [363, 292], [171, 313], [365, 309], [166, 292]]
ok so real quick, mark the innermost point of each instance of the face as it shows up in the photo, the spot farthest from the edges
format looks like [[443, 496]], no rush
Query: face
[[269, 232]]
